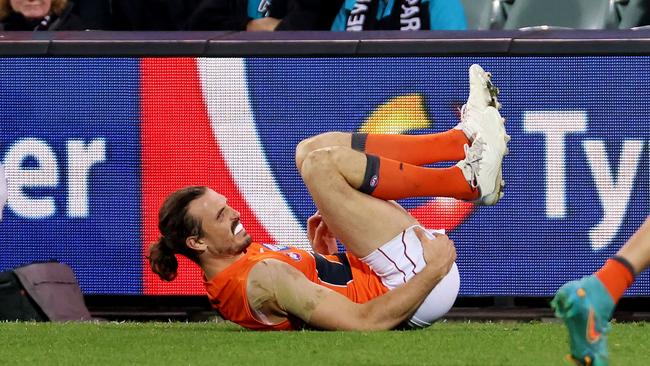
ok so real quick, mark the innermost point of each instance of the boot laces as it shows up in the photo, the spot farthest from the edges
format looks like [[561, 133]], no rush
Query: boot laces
[[473, 156]]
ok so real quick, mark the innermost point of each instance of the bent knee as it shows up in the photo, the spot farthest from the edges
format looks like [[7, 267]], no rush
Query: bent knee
[[325, 162], [328, 139], [318, 162]]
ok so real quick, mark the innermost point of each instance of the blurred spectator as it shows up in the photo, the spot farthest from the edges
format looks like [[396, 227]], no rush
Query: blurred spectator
[[38, 15], [224, 15], [358, 15], [634, 13], [151, 15], [95, 14], [263, 15]]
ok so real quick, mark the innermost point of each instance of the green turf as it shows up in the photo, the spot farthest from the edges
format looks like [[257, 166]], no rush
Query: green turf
[[224, 344]]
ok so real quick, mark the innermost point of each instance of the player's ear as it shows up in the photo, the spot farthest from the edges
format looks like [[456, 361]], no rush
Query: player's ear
[[195, 243]]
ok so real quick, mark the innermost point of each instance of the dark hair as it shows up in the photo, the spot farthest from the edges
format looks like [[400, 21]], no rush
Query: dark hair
[[175, 225]]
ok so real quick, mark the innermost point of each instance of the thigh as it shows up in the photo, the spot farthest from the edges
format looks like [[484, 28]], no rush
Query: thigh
[[398, 261], [364, 223], [361, 222]]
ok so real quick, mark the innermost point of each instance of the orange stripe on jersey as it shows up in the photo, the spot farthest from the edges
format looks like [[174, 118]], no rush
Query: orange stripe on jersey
[[343, 273]]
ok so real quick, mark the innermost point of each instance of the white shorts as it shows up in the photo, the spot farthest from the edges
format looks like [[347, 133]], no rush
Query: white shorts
[[3, 190], [399, 260]]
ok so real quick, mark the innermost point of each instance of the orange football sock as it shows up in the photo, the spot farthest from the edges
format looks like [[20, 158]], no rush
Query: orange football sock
[[414, 149], [617, 275], [391, 180]]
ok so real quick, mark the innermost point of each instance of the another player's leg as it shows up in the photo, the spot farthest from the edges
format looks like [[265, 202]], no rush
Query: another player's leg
[[637, 249], [586, 305]]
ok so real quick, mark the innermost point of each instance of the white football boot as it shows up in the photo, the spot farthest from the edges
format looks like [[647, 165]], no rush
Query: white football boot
[[482, 94], [482, 166]]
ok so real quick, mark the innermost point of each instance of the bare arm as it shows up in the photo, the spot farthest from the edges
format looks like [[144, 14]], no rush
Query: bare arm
[[292, 293]]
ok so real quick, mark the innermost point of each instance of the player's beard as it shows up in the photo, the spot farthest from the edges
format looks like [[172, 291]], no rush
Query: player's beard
[[234, 249], [247, 242]]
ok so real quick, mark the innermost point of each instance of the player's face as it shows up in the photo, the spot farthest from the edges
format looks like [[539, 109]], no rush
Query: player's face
[[31, 9], [223, 234]]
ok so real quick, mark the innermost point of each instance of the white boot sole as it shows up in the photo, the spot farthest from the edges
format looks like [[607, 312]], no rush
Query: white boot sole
[[484, 78], [494, 135]]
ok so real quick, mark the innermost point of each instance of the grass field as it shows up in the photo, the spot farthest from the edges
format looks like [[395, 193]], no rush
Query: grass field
[[225, 344]]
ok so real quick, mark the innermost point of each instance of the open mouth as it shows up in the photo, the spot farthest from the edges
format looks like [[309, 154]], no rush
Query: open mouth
[[237, 227]]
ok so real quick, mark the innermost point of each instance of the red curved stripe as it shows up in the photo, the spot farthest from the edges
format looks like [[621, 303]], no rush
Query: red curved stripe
[[179, 149]]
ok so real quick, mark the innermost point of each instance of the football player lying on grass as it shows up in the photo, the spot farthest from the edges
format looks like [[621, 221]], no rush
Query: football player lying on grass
[[393, 272]]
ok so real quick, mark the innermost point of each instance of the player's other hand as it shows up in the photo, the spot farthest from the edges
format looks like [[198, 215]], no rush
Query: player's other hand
[[439, 252], [320, 237]]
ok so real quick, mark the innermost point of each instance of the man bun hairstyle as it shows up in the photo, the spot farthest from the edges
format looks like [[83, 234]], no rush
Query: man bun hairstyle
[[163, 260], [175, 225]]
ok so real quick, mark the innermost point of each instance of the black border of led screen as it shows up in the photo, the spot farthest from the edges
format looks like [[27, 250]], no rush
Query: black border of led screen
[[318, 44]]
